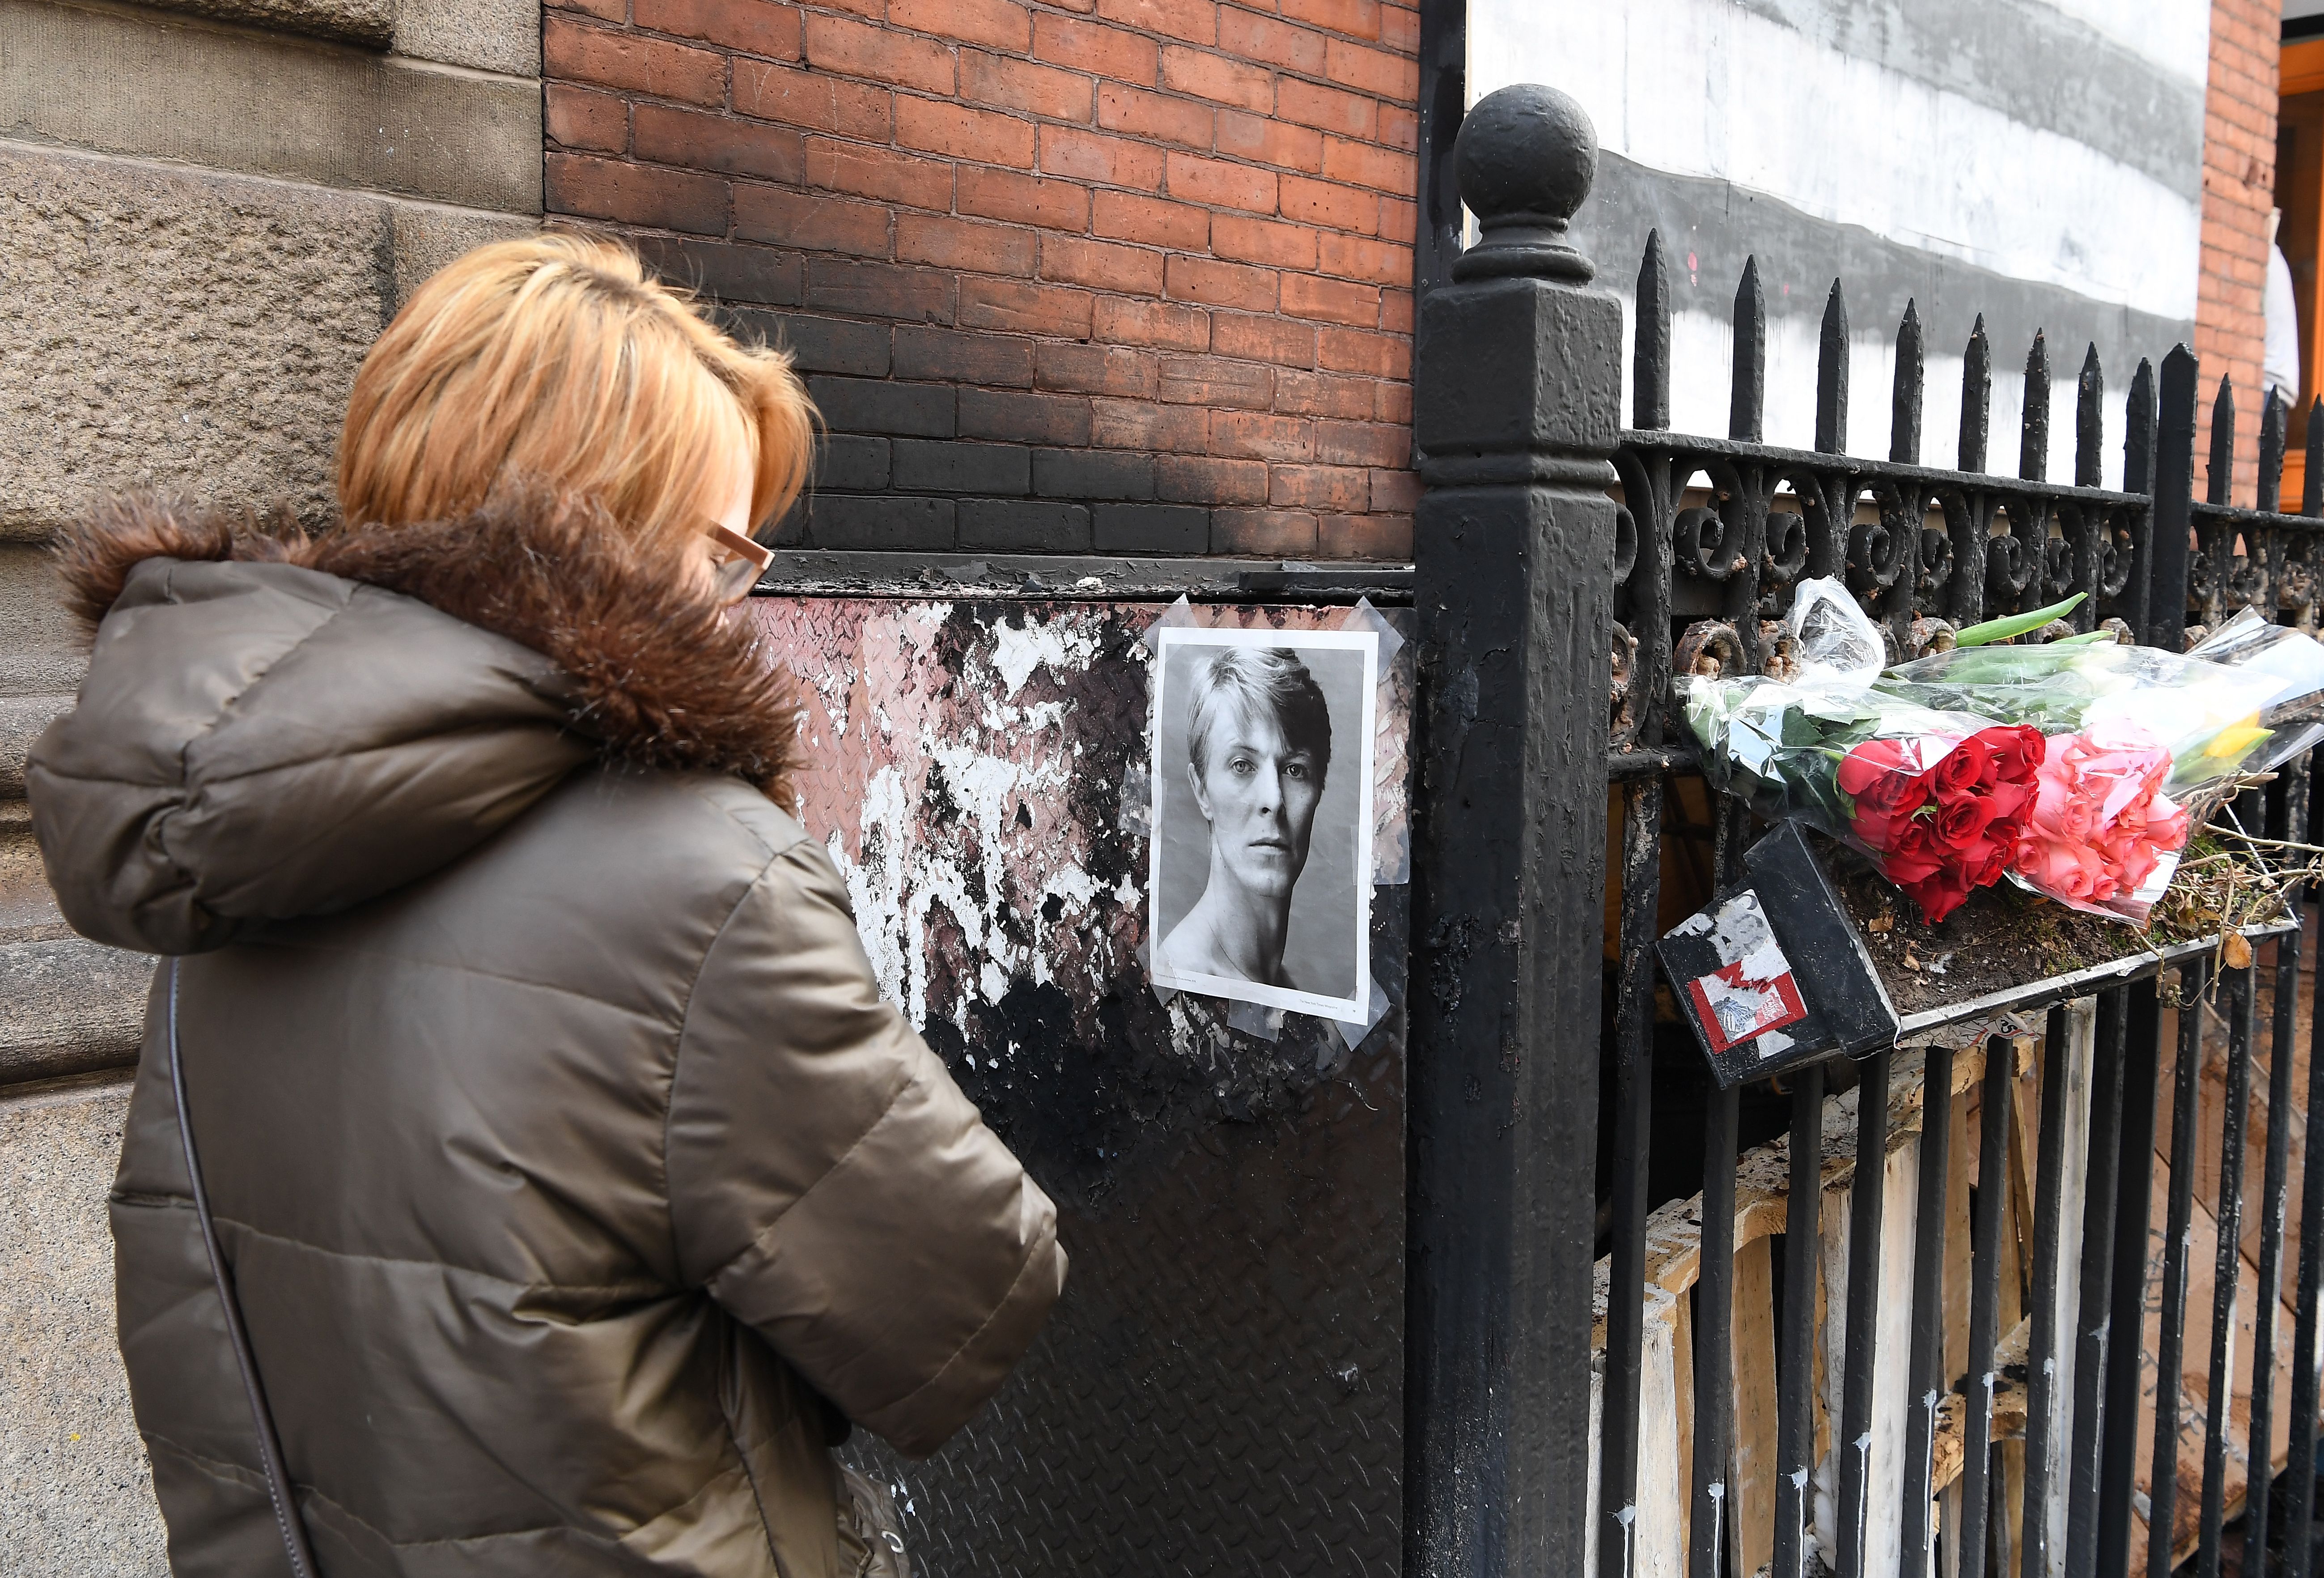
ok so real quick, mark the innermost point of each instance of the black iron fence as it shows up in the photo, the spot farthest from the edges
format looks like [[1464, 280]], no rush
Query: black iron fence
[[1879, 1434]]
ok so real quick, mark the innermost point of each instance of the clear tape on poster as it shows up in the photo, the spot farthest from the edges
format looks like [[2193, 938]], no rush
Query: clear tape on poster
[[1376, 1008], [1177, 616], [1254, 1019], [1162, 994], [1136, 817], [1364, 617], [1392, 834]]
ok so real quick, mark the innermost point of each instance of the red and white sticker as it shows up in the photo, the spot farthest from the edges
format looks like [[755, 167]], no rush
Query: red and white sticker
[[1753, 990], [1733, 1007]]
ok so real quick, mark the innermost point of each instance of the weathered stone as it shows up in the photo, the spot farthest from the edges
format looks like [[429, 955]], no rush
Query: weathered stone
[[159, 87], [31, 612], [356, 22], [42, 652], [22, 719], [28, 910], [76, 1494], [427, 237], [491, 35], [69, 1005], [177, 329]]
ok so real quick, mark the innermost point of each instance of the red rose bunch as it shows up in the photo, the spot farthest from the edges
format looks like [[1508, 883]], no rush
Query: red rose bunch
[[1942, 816]]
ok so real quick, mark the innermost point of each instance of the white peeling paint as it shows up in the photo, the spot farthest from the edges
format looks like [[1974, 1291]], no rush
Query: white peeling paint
[[905, 879], [1017, 652], [876, 887], [1072, 884]]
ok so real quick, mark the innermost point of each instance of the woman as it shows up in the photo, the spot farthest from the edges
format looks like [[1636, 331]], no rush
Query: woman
[[577, 1186], [1259, 743]]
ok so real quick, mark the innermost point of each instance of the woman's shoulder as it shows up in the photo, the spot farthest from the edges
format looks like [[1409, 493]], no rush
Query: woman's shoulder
[[681, 835]]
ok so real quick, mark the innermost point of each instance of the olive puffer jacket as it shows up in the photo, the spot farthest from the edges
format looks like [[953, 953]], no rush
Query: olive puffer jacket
[[576, 1179]]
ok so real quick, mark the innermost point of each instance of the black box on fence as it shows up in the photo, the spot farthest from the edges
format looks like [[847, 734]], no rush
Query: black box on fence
[[1772, 975]]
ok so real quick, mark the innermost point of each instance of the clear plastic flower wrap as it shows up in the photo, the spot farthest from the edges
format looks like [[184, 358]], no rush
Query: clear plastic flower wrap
[[1934, 795], [2079, 768], [2294, 659], [2138, 745]]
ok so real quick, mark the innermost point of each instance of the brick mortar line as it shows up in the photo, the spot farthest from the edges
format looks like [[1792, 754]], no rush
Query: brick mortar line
[[1020, 228], [1093, 184], [1088, 184], [634, 29], [955, 161], [1318, 30], [1034, 340], [728, 109], [1157, 87], [1155, 249]]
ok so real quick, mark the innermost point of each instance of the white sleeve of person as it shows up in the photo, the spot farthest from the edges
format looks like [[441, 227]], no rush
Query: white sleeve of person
[[2280, 367]]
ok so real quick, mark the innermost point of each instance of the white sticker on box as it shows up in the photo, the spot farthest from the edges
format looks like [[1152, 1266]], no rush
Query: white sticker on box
[[1753, 991]]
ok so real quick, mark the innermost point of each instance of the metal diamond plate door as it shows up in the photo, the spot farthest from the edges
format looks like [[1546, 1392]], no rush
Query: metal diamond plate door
[[1220, 1389]]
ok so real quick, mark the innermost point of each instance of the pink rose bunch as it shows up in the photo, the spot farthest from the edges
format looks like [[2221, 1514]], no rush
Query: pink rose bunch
[[2099, 822]]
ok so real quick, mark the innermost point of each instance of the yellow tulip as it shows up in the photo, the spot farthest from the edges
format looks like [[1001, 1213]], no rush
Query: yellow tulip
[[2236, 738]]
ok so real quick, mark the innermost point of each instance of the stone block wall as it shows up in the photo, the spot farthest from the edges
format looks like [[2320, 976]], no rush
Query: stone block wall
[[1111, 276], [211, 209]]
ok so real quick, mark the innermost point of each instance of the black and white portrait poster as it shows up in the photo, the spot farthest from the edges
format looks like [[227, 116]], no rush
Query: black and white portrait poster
[[1260, 889]]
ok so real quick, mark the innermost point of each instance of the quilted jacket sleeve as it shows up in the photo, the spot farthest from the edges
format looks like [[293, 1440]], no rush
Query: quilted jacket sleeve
[[831, 1185]]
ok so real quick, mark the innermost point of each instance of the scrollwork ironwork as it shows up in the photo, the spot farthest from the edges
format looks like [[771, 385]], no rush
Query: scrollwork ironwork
[[1715, 532]]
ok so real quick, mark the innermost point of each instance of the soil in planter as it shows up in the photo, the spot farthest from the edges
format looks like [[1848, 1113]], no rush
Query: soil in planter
[[2000, 937]]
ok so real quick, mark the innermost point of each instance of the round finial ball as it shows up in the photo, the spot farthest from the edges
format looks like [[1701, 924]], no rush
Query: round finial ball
[[1526, 150]]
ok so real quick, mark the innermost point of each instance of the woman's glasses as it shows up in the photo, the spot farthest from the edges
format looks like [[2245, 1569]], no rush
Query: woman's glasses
[[737, 561]]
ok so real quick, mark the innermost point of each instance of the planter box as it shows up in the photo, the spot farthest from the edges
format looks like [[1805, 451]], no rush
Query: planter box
[[1779, 972]]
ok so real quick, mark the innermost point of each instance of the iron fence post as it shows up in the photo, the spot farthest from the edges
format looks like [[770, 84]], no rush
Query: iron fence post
[[2174, 498], [1518, 390]]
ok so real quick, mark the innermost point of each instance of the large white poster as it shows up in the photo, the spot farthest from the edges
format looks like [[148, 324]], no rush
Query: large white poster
[[1262, 792]]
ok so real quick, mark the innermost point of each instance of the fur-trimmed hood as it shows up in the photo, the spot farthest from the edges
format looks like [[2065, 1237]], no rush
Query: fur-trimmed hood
[[276, 724]]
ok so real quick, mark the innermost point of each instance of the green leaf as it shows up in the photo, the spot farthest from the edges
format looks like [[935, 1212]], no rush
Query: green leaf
[[2088, 638], [2015, 624]]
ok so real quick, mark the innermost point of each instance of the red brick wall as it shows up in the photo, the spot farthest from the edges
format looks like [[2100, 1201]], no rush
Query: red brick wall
[[1122, 276], [2238, 190]]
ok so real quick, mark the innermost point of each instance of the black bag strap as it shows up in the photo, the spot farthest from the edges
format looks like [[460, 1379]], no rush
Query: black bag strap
[[270, 1445]]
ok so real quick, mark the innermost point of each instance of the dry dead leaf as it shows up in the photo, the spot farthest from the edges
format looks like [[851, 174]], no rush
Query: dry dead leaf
[[2239, 950]]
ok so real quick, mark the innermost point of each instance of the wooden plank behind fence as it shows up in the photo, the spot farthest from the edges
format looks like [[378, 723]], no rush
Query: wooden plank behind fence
[[1752, 1479], [1673, 1263]]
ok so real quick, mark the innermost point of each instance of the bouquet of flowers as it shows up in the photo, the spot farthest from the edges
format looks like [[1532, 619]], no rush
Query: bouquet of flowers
[[1940, 814], [2078, 769]]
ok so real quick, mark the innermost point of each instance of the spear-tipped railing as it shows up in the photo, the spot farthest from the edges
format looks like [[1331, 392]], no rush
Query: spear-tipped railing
[[1709, 536]]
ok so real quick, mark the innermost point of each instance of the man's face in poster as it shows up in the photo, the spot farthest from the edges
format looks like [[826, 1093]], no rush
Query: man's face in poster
[[1259, 790]]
